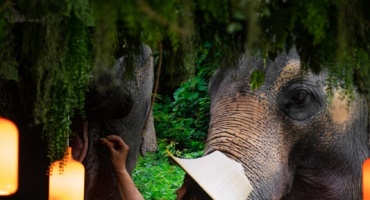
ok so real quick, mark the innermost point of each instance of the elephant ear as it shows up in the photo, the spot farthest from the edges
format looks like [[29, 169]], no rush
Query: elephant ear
[[107, 104], [149, 139], [109, 95]]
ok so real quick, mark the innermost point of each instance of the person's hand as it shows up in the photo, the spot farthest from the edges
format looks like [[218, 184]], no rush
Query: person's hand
[[119, 151]]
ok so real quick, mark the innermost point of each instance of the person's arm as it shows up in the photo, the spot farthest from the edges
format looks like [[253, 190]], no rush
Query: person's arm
[[119, 150]]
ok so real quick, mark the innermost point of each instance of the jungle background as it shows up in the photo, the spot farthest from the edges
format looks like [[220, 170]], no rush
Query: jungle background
[[60, 42]]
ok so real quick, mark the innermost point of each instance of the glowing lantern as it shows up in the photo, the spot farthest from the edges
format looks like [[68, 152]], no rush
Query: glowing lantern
[[8, 157], [67, 184], [366, 180]]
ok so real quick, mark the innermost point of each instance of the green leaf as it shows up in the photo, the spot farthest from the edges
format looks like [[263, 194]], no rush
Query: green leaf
[[257, 79], [239, 15], [193, 95], [82, 10], [234, 27]]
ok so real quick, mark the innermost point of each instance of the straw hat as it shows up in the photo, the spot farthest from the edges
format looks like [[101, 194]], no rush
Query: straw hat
[[221, 177]]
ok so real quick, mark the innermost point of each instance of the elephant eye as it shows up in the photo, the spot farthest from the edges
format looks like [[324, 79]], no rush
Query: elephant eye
[[299, 98]]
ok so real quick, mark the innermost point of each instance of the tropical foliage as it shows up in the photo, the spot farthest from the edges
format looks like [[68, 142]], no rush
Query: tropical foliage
[[181, 123], [156, 177], [183, 118]]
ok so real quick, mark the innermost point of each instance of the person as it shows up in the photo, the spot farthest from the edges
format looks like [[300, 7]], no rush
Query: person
[[226, 187], [119, 151]]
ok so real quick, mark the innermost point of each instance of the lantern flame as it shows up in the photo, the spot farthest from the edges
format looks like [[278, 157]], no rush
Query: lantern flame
[[68, 183], [9, 141], [366, 180]]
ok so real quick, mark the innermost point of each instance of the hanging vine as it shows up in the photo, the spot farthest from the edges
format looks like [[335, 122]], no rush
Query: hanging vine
[[67, 88]]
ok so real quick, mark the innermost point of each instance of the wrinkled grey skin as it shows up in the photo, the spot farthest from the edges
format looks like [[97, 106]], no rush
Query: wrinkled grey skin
[[115, 104], [290, 141]]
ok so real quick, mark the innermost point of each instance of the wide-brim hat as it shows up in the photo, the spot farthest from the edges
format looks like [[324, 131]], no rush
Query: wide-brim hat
[[220, 177]]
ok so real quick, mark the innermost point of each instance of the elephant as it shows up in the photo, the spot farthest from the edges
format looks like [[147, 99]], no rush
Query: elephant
[[116, 103], [295, 136]]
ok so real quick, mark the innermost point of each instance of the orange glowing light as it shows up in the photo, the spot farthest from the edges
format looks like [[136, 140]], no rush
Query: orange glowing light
[[67, 184], [9, 140], [366, 180]]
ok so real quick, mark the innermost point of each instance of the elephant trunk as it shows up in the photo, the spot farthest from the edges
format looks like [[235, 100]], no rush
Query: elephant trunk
[[243, 128]]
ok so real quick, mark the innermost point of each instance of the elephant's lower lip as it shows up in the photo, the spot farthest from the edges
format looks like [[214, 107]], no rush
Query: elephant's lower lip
[[79, 142]]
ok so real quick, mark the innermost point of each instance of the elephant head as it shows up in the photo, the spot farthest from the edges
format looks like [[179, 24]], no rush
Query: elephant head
[[294, 139], [118, 102]]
